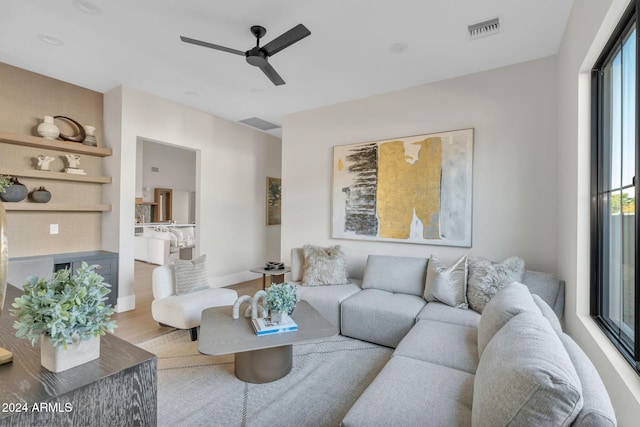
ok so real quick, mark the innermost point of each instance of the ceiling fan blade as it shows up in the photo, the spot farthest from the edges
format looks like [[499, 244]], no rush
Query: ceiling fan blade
[[272, 74], [292, 36], [211, 45]]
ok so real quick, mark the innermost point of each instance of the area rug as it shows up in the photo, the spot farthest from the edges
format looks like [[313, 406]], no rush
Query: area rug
[[327, 377]]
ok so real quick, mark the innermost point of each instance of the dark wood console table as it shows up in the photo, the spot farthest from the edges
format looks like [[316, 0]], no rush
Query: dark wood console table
[[119, 388]]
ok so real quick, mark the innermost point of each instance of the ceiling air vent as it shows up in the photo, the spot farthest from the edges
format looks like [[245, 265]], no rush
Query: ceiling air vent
[[259, 123], [484, 28]]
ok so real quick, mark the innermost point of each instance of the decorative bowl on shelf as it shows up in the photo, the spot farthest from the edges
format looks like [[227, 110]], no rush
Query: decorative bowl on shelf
[[16, 192], [41, 195]]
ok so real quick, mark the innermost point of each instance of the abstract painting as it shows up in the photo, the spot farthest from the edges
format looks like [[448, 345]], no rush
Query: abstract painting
[[415, 189], [274, 200]]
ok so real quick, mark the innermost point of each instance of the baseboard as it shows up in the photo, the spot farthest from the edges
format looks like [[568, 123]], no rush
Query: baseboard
[[232, 279], [126, 303]]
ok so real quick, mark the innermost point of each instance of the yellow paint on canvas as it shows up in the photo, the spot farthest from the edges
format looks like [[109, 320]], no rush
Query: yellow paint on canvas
[[405, 187], [340, 165]]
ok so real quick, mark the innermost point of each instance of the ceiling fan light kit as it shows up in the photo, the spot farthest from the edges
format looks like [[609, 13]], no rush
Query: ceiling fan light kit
[[258, 56]]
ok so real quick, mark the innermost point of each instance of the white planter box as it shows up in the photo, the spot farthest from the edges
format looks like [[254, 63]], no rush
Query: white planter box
[[59, 359]]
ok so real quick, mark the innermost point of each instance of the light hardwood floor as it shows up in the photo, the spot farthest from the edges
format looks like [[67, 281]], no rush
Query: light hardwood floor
[[137, 325]]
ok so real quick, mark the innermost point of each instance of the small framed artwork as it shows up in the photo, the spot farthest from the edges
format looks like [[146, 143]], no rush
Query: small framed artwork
[[274, 199]]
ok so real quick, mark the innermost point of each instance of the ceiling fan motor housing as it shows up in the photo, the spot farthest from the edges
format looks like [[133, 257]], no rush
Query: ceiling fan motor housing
[[256, 56]]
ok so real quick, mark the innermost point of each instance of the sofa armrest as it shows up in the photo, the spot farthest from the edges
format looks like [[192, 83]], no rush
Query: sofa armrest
[[163, 282]]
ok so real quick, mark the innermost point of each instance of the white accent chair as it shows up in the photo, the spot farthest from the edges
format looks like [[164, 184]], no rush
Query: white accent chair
[[183, 311]]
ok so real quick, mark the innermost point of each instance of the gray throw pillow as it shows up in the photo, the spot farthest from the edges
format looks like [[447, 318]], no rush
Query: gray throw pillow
[[526, 378], [191, 275], [324, 266], [447, 284], [487, 278]]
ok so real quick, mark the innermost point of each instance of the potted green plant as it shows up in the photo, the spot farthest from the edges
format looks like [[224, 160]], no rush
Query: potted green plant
[[68, 314], [5, 182], [281, 300]]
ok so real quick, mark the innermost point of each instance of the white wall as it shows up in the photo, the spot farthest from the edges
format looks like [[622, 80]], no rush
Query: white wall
[[232, 164], [513, 111], [176, 167], [590, 25]]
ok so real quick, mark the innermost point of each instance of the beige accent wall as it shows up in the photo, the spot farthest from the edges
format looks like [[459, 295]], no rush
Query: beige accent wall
[[26, 98]]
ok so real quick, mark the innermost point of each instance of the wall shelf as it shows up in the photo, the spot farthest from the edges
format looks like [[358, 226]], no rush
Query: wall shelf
[[55, 207], [59, 176], [52, 144]]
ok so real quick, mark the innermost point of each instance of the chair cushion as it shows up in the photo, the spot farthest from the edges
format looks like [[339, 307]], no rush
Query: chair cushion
[[191, 275], [395, 274], [379, 316], [185, 311], [445, 344], [324, 266], [410, 392], [510, 301], [447, 284], [526, 378], [487, 278]]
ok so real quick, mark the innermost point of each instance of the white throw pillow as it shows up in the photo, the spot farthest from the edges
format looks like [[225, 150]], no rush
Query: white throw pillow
[[324, 266], [447, 284], [191, 275], [487, 278]]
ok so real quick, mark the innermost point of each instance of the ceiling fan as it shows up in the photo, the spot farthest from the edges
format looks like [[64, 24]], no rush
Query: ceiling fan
[[258, 56]]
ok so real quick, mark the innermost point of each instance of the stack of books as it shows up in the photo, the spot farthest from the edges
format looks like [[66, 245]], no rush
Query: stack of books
[[274, 265], [264, 326]]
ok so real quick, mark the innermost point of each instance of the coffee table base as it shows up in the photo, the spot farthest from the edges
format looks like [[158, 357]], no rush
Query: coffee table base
[[265, 365]]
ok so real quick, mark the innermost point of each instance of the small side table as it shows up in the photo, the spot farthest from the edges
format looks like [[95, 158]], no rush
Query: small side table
[[265, 273]]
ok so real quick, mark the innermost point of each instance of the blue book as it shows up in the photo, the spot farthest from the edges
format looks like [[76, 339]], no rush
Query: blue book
[[264, 326]]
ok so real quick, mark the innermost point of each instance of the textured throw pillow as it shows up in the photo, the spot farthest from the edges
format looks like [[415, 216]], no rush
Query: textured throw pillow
[[447, 284], [487, 278], [324, 266], [526, 378], [191, 275]]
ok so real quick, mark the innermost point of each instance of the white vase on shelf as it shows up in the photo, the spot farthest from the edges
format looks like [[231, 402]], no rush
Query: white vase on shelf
[[90, 139], [47, 129]]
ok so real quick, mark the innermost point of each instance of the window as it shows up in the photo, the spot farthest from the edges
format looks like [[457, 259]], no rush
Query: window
[[614, 231]]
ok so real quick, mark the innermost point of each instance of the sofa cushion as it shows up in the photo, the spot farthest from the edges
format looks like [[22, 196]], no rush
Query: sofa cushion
[[548, 287], [445, 344], [395, 274], [191, 275], [410, 392], [525, 377], [444, 313], [548, 313], [487, 278], [510, 301], [297, 264], [447, 284], [327, 299], [324, 266], [378, 316], [597, 410]]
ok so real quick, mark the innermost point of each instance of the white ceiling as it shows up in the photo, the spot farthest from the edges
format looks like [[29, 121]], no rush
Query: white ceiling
[[136, 43]]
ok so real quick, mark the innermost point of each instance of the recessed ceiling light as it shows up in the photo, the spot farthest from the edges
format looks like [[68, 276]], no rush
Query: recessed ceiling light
[[53, 41], [257, 91], [398, 48], [191, 94], [87, 7]]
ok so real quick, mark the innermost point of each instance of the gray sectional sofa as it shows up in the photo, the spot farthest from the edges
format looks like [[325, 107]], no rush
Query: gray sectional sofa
[[512, 365]]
